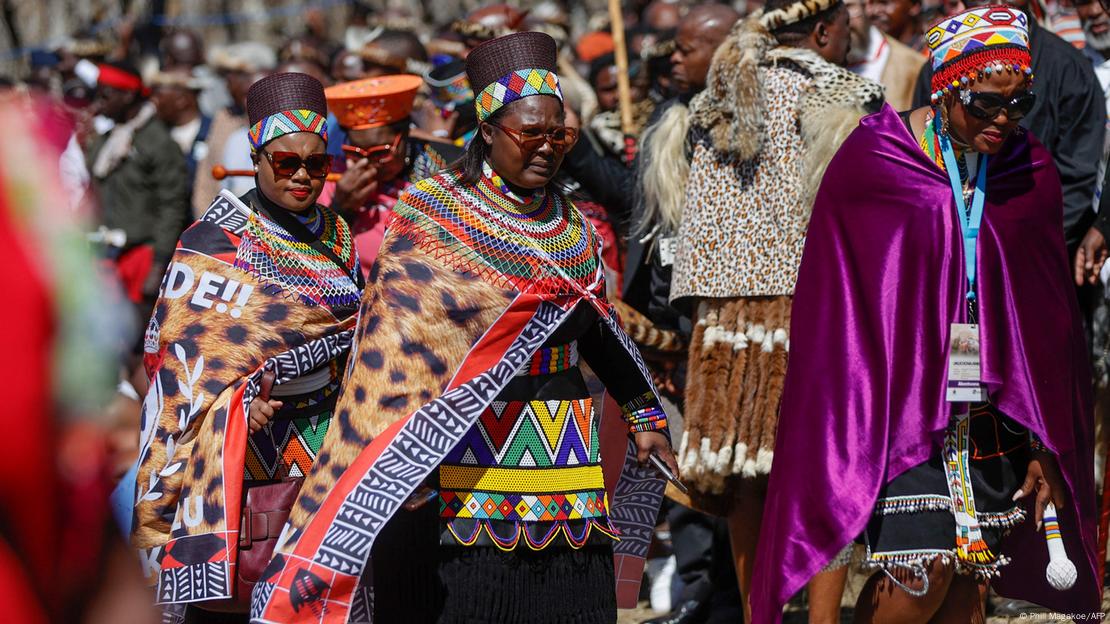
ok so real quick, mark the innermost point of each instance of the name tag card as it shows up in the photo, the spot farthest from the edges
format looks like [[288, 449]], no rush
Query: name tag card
[[964, 376]]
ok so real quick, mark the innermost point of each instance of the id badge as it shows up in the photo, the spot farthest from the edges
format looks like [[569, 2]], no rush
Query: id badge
[[964, 377], [667, 249]]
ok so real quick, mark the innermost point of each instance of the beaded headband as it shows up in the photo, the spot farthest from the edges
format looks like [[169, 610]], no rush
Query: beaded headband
[[515, 86], [794, 13], [975, 44], [287, 122]]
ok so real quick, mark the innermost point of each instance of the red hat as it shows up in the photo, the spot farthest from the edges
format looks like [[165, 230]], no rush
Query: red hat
[[120, 78], [373, 102]]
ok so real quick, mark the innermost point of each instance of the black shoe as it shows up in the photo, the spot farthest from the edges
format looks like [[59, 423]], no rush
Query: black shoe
[[689, 612], [1006, 607]]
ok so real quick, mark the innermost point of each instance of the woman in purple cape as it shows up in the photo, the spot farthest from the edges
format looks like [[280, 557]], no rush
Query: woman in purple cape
[[936, 234]]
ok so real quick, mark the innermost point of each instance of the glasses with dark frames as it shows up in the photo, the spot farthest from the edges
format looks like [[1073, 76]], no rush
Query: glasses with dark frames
[[287, 164], [561, 138]]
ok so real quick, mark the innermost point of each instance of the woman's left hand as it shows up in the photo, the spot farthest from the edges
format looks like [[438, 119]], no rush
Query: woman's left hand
[[1043, 477], [648, 442]]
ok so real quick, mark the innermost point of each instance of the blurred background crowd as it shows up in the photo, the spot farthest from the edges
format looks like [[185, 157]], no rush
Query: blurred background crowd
[[139, 101]]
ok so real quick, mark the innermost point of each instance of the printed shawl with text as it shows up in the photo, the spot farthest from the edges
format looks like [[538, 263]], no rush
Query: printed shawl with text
[[466, 287], [882, 278], [240, 297]]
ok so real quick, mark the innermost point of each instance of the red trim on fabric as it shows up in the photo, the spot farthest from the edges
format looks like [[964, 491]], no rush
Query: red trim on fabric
[[234, 459], [111, 76]]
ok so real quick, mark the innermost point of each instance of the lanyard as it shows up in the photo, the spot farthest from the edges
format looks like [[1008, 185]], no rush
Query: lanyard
[[969, 220]]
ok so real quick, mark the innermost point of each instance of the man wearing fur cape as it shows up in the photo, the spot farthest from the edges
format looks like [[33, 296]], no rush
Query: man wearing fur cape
[[777, 106]]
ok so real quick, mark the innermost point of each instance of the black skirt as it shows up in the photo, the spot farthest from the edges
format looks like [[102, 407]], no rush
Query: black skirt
[[418, 581], [913, 522]]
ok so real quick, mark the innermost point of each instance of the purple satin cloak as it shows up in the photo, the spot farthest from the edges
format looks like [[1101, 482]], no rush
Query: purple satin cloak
[[881, 279]]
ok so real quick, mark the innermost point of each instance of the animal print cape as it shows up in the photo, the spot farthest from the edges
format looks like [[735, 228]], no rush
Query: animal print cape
[[452, 311], [218, 325]]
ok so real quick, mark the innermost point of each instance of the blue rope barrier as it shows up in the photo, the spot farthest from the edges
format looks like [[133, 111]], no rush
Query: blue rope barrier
[[195, 21]]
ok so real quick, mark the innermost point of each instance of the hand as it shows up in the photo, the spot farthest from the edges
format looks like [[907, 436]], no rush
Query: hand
[[261, 412], [662, 373], [1088, 260], [648, 442], [1043, 477], [356, 186]]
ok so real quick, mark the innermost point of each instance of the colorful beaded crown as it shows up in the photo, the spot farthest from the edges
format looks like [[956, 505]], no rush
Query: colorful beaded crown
[[974, 44], [510, 68], [285, 103]]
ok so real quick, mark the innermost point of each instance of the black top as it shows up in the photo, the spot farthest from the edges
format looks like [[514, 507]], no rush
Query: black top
[[1068, 117]]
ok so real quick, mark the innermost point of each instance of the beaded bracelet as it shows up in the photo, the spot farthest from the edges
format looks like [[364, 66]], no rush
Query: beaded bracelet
[[1035, 444], [643, 413]]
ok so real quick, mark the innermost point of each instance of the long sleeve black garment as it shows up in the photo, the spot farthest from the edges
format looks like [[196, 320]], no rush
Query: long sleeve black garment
[[1069, 118], [147, 195]]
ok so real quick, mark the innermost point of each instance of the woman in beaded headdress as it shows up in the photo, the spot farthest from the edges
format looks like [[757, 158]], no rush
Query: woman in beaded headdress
[[468, 464], [266, 284], [945, 397]]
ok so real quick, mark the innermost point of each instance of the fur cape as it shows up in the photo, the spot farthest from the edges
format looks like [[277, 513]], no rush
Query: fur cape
[[730, 109]]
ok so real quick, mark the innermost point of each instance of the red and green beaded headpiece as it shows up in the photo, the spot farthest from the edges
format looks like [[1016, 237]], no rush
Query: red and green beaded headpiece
[[977, 43]]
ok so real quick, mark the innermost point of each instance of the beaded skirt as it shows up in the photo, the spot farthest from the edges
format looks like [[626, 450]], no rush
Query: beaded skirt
[[913, 522]]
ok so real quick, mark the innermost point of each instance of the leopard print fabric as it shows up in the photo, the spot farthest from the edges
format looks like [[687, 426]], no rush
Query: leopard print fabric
[[744, 225]]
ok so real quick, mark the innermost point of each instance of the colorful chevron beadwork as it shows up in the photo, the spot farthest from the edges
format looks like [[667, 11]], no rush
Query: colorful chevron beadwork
[[517, 85], [287, 122]]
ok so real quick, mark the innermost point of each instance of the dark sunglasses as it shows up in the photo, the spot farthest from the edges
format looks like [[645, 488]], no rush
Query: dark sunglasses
[[561, 138], [287, 164], [379, 154], [987, 106]]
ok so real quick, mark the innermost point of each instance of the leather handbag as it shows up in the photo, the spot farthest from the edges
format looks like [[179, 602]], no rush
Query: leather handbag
[[266, 507]]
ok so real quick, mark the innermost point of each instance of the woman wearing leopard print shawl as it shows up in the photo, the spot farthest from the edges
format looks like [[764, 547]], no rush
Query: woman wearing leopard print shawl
[[262, 285]]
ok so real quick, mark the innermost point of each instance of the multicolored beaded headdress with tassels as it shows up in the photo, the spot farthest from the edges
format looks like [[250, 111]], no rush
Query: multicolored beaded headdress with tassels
[[972, 45], [285, 103], [511, 68]]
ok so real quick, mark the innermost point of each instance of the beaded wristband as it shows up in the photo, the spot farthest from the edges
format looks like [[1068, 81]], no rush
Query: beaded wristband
[[1035, 444], [644, 414]]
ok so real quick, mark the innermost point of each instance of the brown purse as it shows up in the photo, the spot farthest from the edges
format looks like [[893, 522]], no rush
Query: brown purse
[[266, 508]]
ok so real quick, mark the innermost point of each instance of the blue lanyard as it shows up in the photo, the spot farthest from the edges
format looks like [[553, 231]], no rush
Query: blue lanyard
[[969, 221]]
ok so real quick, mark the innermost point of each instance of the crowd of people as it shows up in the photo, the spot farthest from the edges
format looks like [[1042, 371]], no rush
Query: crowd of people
[[458, 322]]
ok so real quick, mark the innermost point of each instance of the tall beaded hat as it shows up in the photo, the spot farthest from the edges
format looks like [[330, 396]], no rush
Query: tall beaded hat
[[285, 103], [511, 68], [373, 102], [448, 85], [972, 45]]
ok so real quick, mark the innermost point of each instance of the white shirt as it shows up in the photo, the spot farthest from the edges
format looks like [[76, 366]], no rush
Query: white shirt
[[878, 53], [185, 134]]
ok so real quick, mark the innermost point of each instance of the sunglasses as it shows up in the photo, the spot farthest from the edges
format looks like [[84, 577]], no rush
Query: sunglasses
[[561, 138], [987, 106], [287, 164], [378, 155]]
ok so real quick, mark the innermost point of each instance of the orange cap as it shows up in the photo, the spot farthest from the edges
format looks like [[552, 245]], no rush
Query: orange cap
[[593, 45], [373, 102]]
